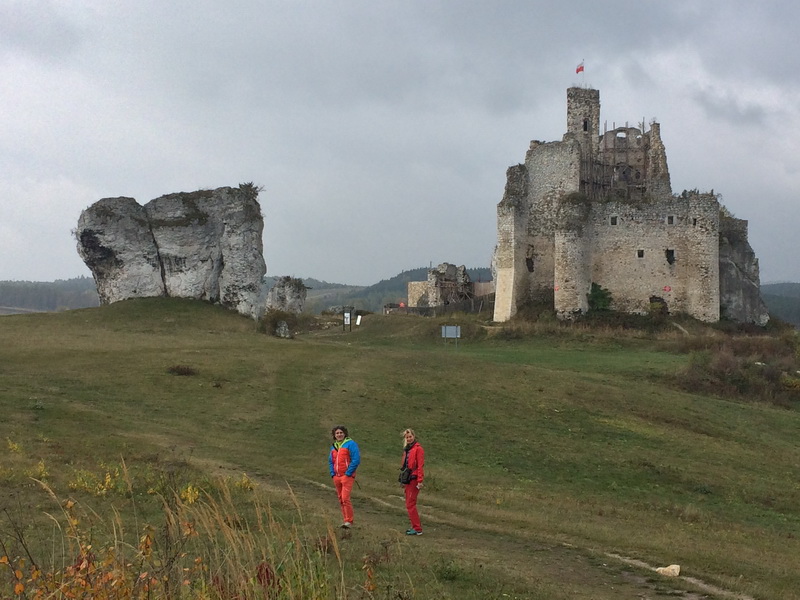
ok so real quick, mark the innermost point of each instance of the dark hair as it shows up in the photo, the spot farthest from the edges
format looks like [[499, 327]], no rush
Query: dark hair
[[335, 429]]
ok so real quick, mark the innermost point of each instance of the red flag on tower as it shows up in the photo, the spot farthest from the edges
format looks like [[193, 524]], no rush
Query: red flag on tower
[[579, 68]]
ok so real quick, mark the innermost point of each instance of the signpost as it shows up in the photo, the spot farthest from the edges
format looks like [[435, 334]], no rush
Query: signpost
[[451, 332], [347, 317]]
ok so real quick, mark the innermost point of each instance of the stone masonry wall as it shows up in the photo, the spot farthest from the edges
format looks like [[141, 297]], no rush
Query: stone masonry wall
[[417, 293], [665, 249], [554, 172]]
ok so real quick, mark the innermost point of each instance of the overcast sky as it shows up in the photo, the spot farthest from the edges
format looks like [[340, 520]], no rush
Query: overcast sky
[[380, 130]]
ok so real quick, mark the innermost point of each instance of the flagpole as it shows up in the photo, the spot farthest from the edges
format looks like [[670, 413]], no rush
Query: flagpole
[[581, 69]]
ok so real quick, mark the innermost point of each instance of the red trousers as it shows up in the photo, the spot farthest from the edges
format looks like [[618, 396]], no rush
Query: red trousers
[[411, 505], [344, 485]]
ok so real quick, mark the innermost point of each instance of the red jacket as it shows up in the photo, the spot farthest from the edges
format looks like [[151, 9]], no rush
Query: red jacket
[[416, 462]]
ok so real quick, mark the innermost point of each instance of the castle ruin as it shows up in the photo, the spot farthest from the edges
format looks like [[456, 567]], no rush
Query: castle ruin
[[599, 208]]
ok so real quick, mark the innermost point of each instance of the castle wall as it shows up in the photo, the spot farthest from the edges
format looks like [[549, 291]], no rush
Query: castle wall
[[483, 288], [664, 249], [572, 273], [524, 259], [659, 185], [508, 259], [554, 173], [417, 293]]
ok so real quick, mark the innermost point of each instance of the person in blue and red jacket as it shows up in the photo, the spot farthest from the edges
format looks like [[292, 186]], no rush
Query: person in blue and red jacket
[[343, 462], [414, 459]]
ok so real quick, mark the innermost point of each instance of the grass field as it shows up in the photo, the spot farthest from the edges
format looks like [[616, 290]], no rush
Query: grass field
[[559, 465]]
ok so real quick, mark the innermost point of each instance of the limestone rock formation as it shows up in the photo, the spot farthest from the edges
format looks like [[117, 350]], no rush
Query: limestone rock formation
[[205, 245], [739, 280], [288, 294]]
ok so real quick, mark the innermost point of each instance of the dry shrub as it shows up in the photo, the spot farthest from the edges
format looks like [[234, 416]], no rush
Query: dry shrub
[[750, 367], [724, 362], [182, 370]]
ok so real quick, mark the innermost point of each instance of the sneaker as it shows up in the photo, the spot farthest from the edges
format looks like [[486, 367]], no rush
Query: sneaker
[[347, 525], [413, 532]]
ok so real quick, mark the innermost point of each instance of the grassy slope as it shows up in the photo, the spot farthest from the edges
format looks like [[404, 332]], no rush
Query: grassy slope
[[544, 455]]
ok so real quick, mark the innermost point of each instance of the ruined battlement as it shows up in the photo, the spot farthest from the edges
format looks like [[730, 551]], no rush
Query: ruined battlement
[[599, 208]]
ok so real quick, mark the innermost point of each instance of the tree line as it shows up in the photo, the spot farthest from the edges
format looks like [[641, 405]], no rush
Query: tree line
[[62, 294]]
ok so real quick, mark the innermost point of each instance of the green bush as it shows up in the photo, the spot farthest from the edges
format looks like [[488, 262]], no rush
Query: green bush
[[599, 298]]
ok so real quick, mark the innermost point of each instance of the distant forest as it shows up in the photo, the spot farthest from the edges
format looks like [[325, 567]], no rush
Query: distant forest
[[40, 296], [782, 299]]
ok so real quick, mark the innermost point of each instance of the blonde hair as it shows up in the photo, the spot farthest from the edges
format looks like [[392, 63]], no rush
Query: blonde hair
[[405, 431]]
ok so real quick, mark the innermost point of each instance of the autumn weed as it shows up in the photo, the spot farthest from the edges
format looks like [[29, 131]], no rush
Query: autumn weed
[[210, 544]]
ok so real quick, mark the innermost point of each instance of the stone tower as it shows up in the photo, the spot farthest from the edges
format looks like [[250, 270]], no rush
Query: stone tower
[[583, 117]]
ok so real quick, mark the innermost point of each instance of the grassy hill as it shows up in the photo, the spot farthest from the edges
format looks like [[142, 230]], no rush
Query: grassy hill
[[563, 461]]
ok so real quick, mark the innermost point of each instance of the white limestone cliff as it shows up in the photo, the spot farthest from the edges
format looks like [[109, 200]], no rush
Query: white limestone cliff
[[205, 245]]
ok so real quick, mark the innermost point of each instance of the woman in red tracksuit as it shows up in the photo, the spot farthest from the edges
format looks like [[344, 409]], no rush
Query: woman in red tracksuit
[[343, 461], [414, 459]]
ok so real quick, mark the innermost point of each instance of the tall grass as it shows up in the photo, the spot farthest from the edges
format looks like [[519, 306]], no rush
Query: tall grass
[[211, 544]]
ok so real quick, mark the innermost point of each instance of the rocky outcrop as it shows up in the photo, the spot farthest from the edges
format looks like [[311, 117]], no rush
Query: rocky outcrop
[[739, 281], [205, 245], [288, 294]]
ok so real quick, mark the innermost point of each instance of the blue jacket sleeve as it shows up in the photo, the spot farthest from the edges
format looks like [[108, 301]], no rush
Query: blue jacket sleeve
[[330, 461], [355, 459]]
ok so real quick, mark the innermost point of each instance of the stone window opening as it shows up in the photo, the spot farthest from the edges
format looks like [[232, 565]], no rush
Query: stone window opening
[[670, 256], [529, 264], [640, 254], [586, 124], [694, 222], [613, 220], [670, 219]]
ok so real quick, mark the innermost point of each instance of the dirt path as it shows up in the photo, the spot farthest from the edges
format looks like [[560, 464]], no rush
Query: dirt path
[[569, 571], [577, 572]]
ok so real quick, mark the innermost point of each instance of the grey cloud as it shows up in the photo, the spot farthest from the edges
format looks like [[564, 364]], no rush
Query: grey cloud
[[37, 28], [724, 105]]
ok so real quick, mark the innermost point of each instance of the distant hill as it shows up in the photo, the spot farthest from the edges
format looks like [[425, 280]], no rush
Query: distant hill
[[41, 296], [80, 292], [374, 297], [787, 289], [783, 301]]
